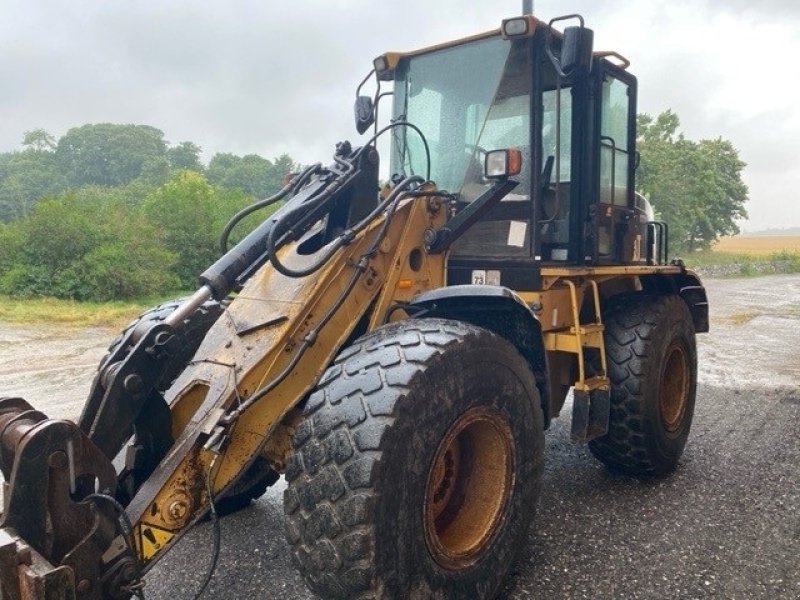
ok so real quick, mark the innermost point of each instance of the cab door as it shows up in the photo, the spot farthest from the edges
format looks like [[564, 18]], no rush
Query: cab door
[[615, 91]]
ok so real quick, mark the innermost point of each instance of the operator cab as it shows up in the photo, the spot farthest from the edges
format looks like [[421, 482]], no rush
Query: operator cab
[[575, 202]]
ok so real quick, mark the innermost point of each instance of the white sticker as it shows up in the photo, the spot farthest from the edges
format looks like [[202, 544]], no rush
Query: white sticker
[[492, 277], [478, 277], [516, 233]]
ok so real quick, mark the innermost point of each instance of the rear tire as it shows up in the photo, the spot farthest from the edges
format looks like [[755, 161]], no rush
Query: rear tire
[[652, 365], [417, 467], [251, 486]]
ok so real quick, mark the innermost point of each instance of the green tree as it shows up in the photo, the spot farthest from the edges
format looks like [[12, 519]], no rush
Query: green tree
[[185, 155], [190, 213], [80, 245], [104, 214], [252, 174], [24, 178], [39, 139], [696, 187], [110, 154]]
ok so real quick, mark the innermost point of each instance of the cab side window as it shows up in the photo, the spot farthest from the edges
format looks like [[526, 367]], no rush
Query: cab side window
[[614, 151]]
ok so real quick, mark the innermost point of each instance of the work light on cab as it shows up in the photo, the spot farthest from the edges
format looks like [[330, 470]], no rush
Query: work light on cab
[[503, 163], [516, 26]]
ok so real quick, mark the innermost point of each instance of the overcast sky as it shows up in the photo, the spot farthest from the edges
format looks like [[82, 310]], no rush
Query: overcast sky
[[278, 77]]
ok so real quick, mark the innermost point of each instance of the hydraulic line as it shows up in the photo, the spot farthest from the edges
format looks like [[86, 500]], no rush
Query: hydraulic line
[[342, 240], [293, 186]]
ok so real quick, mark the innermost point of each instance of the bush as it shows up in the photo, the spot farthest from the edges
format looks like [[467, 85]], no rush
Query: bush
[[27, 280], [190, 213], [114, 271], [78, 246], [102, 243]]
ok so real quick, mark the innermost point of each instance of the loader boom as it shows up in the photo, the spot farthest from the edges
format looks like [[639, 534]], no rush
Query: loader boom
[[257, 362]]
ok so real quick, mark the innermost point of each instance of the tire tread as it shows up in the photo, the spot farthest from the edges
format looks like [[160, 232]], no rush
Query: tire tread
[[631, 323], [366, 383]]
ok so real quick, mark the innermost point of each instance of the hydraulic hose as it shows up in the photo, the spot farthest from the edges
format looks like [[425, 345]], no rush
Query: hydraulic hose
[[342, 240], [395, 125], [293, 186]]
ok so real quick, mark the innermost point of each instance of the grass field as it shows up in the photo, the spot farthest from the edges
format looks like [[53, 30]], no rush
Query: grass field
[[758, 245], [69, 313], [746, 255]]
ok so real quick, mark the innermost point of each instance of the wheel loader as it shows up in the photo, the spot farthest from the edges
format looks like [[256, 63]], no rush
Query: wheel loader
[[395, 351]]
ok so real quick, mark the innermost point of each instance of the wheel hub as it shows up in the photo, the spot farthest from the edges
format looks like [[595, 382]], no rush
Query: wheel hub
[[674, 388], [468, 487]]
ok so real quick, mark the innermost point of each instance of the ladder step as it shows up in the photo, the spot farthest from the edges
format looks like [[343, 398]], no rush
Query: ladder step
[[588, 328], [566, 340], [598, 382]]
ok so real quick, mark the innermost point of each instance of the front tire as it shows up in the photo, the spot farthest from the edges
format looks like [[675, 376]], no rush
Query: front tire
[[417, 466], [652, 364]]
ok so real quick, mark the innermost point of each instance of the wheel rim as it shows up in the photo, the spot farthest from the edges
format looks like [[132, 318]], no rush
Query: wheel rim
[[468, 488], [674, 388]]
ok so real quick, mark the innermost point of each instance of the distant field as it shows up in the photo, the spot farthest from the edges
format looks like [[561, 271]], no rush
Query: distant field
[[758, 245]]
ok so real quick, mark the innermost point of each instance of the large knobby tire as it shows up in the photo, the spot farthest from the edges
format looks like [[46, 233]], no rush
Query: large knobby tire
[[259, 476], [417, 467], [652, 365]]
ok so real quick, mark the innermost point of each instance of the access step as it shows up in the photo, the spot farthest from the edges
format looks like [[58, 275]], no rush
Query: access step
[[573, 339]]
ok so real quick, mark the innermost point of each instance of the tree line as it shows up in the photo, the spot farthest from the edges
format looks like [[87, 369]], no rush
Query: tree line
[[695, 186], [113, 211]]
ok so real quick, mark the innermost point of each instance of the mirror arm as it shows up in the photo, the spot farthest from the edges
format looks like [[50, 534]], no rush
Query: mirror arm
[[363, 81]]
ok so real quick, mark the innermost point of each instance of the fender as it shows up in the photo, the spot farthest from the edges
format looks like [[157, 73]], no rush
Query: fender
[[499, 310], [688, 286]]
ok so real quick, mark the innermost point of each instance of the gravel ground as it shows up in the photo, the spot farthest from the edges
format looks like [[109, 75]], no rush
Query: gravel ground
[[725, 525]]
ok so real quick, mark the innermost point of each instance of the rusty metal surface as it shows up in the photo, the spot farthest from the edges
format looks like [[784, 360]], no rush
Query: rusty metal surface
[[54, 535], [469, 486], [26, 575]]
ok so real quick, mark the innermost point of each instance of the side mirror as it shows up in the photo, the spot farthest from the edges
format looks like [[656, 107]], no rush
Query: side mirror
[[576, 49], [364, 112]]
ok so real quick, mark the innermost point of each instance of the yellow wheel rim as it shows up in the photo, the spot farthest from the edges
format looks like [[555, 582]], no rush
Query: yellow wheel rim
[[674, 389], [469, 486]]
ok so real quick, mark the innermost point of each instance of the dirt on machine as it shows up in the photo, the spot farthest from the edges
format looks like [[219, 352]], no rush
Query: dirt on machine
[[395, 351]]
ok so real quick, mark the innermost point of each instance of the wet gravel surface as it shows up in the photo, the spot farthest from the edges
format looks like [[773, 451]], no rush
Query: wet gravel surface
[[726, 524]]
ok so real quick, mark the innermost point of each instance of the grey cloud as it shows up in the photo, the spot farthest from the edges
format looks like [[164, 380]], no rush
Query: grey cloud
[[273, 77]]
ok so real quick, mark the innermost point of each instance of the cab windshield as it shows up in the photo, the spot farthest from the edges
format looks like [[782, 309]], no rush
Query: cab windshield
[[467, 100]]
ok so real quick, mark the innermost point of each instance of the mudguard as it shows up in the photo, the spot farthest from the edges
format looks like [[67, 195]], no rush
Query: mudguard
[[501, 311]]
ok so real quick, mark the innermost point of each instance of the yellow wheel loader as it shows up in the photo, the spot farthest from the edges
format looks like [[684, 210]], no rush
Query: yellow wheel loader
[[396, 352]]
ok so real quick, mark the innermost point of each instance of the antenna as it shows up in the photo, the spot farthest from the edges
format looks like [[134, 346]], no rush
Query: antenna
[[527, 7]]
